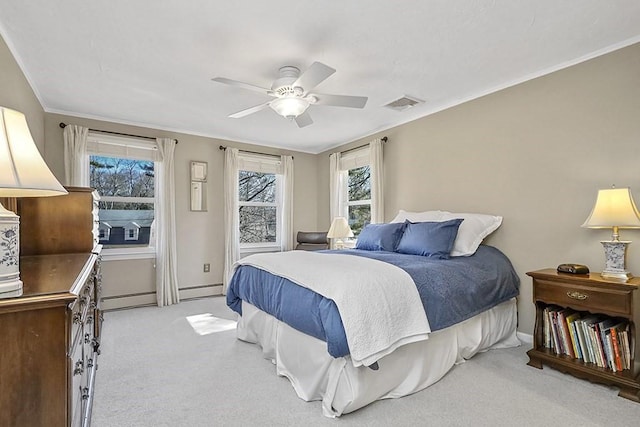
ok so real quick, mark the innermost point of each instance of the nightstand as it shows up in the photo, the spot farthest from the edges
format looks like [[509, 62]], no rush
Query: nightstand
[[588, 300]]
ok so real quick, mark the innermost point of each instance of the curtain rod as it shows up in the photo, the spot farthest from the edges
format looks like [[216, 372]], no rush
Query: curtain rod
[[63, 125], [222, 147], [383, 139]]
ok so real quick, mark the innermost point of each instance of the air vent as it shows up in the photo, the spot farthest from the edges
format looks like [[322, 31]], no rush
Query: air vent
[[404, 103]]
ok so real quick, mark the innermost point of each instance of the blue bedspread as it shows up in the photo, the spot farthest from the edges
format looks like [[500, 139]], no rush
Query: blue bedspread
[[451, 290]]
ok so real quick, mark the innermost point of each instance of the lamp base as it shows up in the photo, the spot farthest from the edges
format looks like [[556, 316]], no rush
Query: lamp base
[[9, 252], [615, 252], [11, 288]]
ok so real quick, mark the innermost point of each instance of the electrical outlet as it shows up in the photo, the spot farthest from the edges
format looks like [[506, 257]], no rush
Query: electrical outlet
[[207, 267]]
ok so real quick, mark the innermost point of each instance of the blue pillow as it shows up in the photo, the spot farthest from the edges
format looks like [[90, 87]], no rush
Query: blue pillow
[[430, 239], [380, 237]]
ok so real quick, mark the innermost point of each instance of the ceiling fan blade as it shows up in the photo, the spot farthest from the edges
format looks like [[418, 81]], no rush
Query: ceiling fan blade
[[248, 111], [303, 120], [313, 76], [340, 100], [243, 85]]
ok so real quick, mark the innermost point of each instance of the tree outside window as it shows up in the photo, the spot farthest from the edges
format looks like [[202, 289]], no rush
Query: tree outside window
[[258, 207], [359, 198]]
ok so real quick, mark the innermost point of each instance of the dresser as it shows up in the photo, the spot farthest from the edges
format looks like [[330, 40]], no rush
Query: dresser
[[50, 335]]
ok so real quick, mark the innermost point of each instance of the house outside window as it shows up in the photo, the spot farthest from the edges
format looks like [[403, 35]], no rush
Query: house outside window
[[259, 203], [122, 170]]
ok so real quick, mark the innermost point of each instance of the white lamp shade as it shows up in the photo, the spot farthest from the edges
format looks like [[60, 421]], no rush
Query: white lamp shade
[[614, 208], [23, 172], [339, 229], [289, 106]]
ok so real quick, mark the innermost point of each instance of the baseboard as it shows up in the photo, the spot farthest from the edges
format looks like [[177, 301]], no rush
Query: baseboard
[[143, 299], [128, 301], [525, 338], [200, 291]]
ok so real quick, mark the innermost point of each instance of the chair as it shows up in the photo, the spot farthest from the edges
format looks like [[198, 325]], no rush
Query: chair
[[312, 240]]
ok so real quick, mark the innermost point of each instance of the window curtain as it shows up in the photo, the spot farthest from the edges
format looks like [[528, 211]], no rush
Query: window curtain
[[76, 165], [165, 219], [287, 204], [231, 215], [335, 187], [377, 181]]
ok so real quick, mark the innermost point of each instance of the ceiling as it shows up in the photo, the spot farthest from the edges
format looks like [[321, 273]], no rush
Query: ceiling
[[150, 62]]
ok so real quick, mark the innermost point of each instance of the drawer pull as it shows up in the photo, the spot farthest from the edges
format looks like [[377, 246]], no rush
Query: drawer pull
[[577, 295], [79, 369]]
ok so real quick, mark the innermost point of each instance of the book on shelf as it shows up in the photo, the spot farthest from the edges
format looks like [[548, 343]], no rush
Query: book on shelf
[[603, 328], [564, 332], [608, 345], [626, 350], [571, 319], [586, 355], [615, 343]]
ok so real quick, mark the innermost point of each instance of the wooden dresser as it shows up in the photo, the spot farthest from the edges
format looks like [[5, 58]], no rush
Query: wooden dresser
[[50, 335]]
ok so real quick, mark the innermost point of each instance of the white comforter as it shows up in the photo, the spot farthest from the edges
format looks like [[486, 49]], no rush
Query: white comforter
[[378, 302]]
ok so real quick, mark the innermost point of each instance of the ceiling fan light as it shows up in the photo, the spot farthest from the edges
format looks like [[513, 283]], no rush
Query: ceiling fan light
[[289, 107]]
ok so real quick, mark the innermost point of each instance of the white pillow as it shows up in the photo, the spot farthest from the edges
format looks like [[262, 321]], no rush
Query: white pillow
[[471, 233], [427, 216]]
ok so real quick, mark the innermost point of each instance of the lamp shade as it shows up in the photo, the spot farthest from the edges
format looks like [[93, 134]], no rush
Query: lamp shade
[[23, 172], [614, 208], [289, 106], [339, 229]]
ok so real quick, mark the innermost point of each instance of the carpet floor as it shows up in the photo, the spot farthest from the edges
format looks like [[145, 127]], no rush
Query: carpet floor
[[181, 366]]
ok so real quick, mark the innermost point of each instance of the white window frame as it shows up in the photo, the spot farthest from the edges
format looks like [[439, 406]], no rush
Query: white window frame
[[352, 160], [100, 144], [249, 162]]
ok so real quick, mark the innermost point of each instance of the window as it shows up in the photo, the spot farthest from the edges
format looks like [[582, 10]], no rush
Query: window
[[356, 191], [104, 232], [122, 170], [131, 232], [259, 201], [359, 198]]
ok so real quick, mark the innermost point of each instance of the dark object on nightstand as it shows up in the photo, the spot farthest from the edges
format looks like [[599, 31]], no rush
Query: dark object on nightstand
[[312, 240], [573, 269]]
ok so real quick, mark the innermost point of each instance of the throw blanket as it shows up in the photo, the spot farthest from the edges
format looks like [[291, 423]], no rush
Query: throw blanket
[[379, 303]]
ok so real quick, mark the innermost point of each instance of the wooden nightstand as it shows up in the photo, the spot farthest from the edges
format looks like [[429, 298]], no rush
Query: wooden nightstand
[[586, 295]]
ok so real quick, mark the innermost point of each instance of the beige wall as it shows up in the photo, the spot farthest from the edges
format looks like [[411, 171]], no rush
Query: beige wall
[[535, 153], [16, 93]]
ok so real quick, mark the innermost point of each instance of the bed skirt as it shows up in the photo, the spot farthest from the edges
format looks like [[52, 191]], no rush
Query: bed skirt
[[343, 388]]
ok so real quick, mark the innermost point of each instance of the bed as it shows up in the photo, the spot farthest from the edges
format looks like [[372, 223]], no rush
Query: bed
[[351, 327]]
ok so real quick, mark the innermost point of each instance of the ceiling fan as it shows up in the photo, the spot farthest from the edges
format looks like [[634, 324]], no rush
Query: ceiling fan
[[292, 93]]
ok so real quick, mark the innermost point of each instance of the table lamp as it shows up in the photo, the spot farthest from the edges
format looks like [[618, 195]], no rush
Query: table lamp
[[23, 173], [339, 230], [614, 209]]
